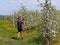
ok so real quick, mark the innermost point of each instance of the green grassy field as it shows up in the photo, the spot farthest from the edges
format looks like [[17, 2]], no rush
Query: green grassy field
[[7, 33]]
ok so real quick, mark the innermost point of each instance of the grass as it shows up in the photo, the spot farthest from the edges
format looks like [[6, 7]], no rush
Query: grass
[[7, 33], [6, 38]]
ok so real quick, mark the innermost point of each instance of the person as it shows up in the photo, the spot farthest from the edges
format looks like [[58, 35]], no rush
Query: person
[[20, 22]]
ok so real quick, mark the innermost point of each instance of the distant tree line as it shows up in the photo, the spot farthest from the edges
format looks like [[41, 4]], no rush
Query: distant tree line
[[3, 17]]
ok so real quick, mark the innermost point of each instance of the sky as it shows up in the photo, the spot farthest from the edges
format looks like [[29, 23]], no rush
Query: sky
[[7, 7]]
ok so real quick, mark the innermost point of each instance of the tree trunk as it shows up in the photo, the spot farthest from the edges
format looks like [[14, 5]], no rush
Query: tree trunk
[[48, 42]]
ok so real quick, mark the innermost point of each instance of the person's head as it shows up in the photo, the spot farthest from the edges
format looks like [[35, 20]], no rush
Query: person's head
[[18, 17]]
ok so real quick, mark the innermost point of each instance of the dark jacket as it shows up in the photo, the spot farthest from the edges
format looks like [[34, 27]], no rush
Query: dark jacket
[[19, 23]]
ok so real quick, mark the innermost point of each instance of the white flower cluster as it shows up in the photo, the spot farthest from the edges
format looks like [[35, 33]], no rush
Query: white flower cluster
[[49, 21]]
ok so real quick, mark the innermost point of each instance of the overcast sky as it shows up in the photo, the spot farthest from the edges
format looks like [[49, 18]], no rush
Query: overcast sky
[[9, 6]]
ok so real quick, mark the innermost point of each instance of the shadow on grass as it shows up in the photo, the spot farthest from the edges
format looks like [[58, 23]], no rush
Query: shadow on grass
[[15, 38]]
